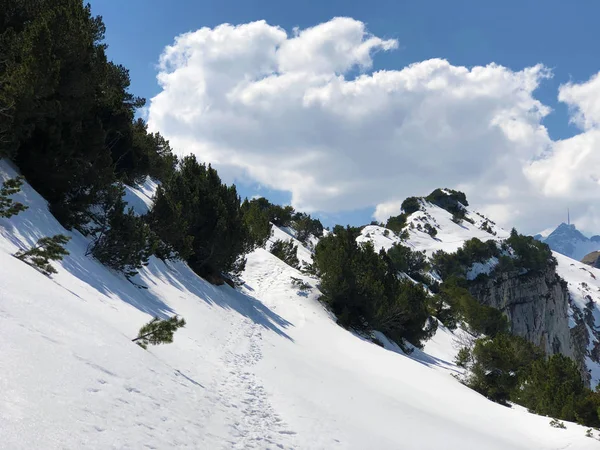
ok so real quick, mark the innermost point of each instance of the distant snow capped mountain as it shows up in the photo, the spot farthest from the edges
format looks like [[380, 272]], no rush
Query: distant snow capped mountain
[[569, 241]]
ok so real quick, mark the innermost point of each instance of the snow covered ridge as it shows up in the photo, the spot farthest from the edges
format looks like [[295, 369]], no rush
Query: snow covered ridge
[[262, 368], [582, 313]]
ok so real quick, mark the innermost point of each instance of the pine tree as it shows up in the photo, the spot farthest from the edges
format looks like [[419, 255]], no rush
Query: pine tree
[[46, 249], [158, 331], [9, 207], [121, 240], [257, 219], [287, 252], [201, 219]]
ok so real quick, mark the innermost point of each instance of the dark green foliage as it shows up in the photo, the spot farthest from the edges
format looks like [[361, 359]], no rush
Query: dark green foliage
[[452, 201], [257, 220], [430, 230], [287, 252], [149, 154], [457, 264], [485, 226], [463, 357], [454, 302], [397, 223], [302, 286], [554, 387], [411, 205], [45, 250], [508, 367], [66, 113], [500, 366], [306, 226], [403, 259], [201, 219], [121, 240], [158, 331], [530, 253], [8, 207], [363, 290]]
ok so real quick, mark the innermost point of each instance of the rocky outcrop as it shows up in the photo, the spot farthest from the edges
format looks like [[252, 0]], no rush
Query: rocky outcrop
[[592, 259], [537, 306]]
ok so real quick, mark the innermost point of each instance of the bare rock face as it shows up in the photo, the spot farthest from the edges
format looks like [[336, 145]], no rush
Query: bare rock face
[[537, 306]]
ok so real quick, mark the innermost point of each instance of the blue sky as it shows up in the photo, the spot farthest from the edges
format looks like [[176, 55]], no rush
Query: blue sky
[[516, 34]]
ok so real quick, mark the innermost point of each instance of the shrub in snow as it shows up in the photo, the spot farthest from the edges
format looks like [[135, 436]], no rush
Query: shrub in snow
[[430, 230], [397, 223], [158, 331], [306, 226], [9, 207], [201, 219], [411, 205], [463, 357], [300, 284], [555, 423], [45, 250], [122, 240], [362, 288], [257, 220], [286, 251]]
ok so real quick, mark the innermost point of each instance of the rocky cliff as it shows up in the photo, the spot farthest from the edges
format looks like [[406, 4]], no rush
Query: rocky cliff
[[538, 307]]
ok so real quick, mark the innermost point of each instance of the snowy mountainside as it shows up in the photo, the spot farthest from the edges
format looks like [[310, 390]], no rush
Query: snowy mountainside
[[262, 368], [583, 281], [450, 235], [567, 240], [584, 293]]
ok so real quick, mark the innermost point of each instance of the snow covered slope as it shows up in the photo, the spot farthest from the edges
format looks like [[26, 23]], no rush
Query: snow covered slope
[[583, 281], [262, 368], [584, 292]]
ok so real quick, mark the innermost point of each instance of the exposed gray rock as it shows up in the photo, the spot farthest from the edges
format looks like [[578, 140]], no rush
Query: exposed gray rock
[[537, 306]]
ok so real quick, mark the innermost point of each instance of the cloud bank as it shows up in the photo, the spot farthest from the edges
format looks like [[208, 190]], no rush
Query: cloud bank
[[304, 112]]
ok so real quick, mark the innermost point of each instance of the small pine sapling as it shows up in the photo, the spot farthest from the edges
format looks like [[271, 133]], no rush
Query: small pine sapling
[[555, 423], [9, 207], [158, 331], [45, 250], [300, 284]]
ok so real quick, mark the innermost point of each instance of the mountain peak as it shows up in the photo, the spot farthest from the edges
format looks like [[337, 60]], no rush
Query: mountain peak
[[569, 241]]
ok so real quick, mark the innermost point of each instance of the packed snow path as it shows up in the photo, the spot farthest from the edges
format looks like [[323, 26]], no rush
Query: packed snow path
[[264, 368]]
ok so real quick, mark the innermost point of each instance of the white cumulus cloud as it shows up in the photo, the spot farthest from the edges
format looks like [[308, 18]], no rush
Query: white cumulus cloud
[[304, 112]]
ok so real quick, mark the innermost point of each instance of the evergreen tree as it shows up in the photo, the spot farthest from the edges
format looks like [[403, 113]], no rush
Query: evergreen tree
[[45, 250], [363, 289], [9, 207], [201, 219], [411, 205], [554, 387], [287, 252], [257, 220], [158, 331], [305, 226], [121, 240], [500, 366]]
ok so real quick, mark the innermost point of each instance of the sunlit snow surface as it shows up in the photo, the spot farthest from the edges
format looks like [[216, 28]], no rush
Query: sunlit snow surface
[[262, 368]]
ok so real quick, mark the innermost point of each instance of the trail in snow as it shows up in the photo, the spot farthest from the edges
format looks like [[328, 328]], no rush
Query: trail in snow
[[265, 368]]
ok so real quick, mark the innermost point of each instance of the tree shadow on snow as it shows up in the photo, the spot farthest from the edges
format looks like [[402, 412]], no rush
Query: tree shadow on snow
[[416, 355], [26, 228], [182, 277]]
